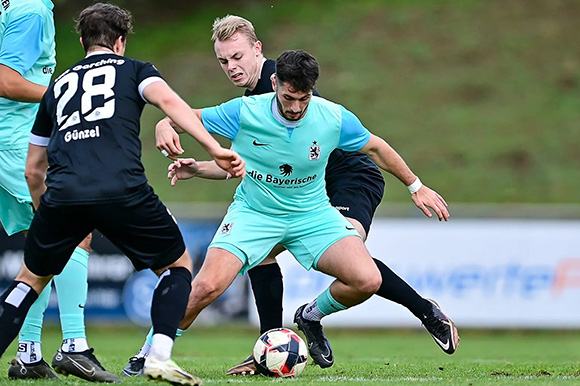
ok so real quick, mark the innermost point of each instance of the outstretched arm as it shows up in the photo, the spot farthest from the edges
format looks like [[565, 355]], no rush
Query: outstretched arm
[[186, 168], [389, 160], [162, 96]]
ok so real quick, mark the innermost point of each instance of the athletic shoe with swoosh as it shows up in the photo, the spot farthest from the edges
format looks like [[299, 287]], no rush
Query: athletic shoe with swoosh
[[441, 328], [247, 367], [83, 365], [36, 370], [168, 371], [318, 345]]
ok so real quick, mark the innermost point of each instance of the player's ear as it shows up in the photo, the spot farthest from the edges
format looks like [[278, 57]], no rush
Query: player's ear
[[273, 78], [258, 47]]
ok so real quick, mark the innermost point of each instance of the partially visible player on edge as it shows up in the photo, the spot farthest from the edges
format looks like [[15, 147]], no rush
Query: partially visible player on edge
[[353, 183], [87, 135], [27, 62]]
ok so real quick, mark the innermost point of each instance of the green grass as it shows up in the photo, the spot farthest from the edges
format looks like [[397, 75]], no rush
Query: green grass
[[482, 98], [363, 357]]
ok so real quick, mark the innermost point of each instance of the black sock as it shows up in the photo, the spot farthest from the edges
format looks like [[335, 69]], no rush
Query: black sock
[[267, 286], [170, 301], [397, 290], [14, 305]]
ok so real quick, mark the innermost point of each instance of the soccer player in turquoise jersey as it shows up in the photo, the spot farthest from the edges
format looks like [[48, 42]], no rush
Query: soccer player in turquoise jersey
[[286, 139], [27, 62]]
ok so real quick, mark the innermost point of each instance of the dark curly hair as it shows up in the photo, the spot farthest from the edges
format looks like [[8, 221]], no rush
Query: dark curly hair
[[297, 68], [101, 24]]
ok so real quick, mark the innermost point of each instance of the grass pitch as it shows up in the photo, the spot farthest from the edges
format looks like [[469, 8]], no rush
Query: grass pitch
[[363, 357]]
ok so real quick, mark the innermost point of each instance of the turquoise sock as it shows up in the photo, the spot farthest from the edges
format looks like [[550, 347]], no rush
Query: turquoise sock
[[71, 289], [327, 304], [32, 327]]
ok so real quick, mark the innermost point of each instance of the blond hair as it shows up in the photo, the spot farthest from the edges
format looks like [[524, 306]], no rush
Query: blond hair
[[223, 28]]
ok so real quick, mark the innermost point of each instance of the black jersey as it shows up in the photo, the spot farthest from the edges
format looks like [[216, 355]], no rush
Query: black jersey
[[342, 165], [91, 116]]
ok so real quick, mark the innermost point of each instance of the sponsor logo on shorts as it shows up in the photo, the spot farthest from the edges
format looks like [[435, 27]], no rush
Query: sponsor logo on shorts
[[226, 228], [314, 152], [343, 208]]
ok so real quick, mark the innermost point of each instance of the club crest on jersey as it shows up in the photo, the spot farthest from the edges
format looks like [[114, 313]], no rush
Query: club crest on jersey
[[314, 152], [226, 228]]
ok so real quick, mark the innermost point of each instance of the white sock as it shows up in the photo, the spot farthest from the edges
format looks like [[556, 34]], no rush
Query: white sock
[[161, 347], [144, 351], [29, 352], [75, 345], [312, 312]]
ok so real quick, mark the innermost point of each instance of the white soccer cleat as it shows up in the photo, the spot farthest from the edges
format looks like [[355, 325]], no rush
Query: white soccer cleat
[[168, 371]]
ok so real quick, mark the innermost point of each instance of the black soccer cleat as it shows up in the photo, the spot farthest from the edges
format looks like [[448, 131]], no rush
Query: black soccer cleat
[[441, 328], [134, 368], [36, 370], [83, 365], [318, 345], [247, 367]]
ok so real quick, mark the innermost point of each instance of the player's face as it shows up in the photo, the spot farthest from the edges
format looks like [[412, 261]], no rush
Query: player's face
[[240, 59], [292, 104]]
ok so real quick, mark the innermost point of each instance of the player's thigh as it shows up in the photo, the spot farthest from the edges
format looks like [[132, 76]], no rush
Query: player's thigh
[[310, 234], [16, 210], [143, 229], [358, 202], [55, 232], [349, 261], [249, 235], [220, 268]]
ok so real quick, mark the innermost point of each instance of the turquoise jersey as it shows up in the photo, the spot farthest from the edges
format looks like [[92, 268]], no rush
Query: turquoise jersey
[[27, 46], [285, 160]]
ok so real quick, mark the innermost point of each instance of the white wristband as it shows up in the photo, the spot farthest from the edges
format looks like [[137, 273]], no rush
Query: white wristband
[[415, 186]]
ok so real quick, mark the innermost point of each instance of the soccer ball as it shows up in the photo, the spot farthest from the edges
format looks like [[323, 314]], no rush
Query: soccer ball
[[280, 353]]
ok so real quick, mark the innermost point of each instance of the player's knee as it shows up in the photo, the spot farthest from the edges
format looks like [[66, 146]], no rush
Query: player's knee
[[370, 283], [204, 291]]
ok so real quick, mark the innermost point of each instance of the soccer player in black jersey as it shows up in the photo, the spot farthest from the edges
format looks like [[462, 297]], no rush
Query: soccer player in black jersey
[[354, 185], [87, 135]]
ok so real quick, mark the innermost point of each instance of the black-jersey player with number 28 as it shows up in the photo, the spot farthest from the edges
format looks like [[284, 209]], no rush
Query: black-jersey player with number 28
[[87, 135]]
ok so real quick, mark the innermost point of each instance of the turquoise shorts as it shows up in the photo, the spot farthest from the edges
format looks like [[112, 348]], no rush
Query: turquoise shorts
[[251, 235], [16, 209]]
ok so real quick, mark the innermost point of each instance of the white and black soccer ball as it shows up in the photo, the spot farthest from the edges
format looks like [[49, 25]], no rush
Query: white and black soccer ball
[[280, 353]]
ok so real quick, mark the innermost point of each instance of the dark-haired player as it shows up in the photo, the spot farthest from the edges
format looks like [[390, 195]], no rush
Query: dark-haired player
[[353, 183], [86, 135]]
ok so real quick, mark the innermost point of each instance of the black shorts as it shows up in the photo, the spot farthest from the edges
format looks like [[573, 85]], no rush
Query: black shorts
[[141, 227], [354, 185]]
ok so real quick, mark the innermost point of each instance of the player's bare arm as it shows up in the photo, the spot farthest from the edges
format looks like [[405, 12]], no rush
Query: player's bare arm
[[13, 86], [186, 168], [389, 160], [162, 96], [35, 173]]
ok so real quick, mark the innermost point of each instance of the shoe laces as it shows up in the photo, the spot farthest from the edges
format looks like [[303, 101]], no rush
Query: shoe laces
[[434, 323]]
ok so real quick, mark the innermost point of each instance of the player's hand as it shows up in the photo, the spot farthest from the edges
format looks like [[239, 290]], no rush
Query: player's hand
[[167, 140], [426, 198], [230, 161], [182, 169]]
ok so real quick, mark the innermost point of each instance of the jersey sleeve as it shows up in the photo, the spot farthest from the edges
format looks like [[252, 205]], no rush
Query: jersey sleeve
[[146, 75], [353, 135], [223, 119], [42, 128], [21, 45]]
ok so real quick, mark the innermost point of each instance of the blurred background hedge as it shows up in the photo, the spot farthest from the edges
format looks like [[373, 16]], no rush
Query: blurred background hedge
[[482, 98]]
